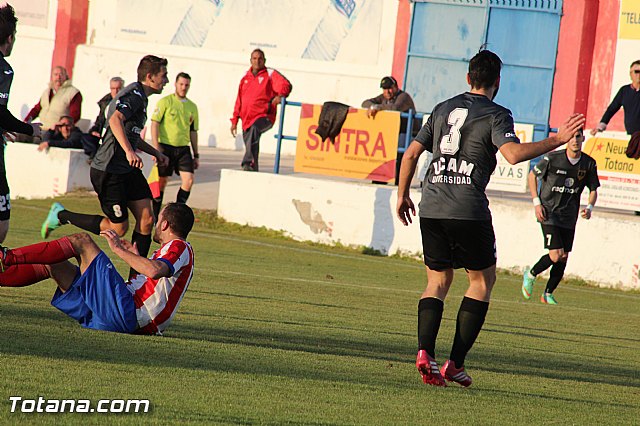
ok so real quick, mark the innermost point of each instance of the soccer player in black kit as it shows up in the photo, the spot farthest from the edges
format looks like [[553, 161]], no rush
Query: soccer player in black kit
[[463, 133], [116, 173], [8, 123], [563, 176]]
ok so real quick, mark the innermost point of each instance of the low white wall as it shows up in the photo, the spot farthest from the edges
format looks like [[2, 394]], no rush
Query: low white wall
[[56, 171], [331, 211], [41, 174]]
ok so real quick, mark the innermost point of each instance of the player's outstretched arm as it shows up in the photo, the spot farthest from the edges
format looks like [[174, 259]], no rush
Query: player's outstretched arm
[[515, 152], [153, 269], [405, 208]]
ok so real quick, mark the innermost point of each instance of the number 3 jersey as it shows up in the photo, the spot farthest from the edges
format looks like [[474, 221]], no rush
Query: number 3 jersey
[[562, 184], [464, 134]]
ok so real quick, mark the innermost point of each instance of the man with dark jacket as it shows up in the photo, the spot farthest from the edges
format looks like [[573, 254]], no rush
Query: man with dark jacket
[[115, 85], [64, 135]]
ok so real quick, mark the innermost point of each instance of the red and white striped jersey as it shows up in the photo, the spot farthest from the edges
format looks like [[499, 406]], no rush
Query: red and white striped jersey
[[158, 300]]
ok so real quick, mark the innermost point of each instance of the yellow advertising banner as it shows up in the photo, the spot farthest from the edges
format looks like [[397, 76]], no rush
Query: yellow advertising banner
[[618, 174], [629, 20], [366, 148], [610, 155]]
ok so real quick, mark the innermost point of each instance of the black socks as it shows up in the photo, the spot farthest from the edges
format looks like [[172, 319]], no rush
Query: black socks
[[556, 274], [542, 265], [182, 196], [143, 243], [471, 317], [88, 222], [429, 318]]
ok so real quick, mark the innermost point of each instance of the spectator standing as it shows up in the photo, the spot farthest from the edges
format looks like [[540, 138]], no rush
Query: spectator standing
[[60, 98], [115, 85], [174, 132], [259, 94], [628, 97]]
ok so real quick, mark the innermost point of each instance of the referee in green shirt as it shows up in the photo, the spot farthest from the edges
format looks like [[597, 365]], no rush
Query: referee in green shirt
[[174, 132]]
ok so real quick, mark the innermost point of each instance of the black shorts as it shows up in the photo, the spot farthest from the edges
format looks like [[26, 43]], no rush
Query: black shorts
[[452, 243], [556, 237], [5, 203], [115, 191], [180, 160]]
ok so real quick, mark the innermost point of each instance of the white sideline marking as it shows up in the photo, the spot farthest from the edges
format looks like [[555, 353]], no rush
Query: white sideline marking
[[398, 290], [362, 257], [387, 260]]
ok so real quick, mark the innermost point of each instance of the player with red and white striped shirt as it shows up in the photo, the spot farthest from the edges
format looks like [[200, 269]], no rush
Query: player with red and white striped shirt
[[157, 300], [93, 293]]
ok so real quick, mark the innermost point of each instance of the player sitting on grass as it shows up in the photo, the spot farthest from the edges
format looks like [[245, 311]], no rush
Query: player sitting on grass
[[93, 293]]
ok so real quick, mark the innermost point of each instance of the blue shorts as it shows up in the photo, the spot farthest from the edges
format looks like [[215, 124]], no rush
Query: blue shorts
[[99, 299]]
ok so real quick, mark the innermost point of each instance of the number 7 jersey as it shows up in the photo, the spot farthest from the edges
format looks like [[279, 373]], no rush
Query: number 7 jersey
[[464, 134]]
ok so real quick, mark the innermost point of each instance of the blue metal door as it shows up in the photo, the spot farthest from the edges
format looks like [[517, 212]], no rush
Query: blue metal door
[[445, 34]]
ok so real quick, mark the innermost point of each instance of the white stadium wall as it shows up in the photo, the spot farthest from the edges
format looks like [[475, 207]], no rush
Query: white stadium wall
[[341, 212], [32, 53], [216, 62]]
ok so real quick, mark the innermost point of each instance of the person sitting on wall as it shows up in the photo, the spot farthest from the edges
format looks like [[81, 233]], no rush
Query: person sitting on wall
[[393, 99], [59, 98], [64, 135]]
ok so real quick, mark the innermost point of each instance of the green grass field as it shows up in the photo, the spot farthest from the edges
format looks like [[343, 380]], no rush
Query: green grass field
[[273, 331]]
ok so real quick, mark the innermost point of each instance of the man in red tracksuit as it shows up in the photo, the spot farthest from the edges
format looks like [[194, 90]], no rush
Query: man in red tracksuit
[[259, 94]]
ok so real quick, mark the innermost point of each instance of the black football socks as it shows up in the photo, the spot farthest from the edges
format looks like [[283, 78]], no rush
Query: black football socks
[[88, 222], [542, 265], [182, 196], [471, 317], [429, 318], [556, 274]]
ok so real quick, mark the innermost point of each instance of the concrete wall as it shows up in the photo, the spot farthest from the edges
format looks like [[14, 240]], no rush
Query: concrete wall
[[341, 212], [216, 74], [31, 62]]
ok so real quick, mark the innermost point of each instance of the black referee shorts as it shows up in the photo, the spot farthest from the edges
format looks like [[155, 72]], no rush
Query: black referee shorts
[[180, 160], [115, 191], [453, 243]]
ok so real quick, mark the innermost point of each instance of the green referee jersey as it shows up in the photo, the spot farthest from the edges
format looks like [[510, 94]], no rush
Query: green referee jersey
[[177, 118]]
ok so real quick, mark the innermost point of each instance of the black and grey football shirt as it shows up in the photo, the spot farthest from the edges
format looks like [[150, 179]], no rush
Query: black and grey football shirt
[[132, 103], [561, 186], [464, 134]]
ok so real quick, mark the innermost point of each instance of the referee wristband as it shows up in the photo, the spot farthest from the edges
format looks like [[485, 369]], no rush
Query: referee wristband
[[589, 207], [196, 155], [536, 202]]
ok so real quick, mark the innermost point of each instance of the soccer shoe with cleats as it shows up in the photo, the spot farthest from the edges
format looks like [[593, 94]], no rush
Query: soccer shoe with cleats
[[428, 369], [527, 283], [51, 222], [548, 299], [453, 374]]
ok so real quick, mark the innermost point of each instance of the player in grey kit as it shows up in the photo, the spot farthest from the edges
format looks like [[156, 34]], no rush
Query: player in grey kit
[[463, 133], [563, 175]]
